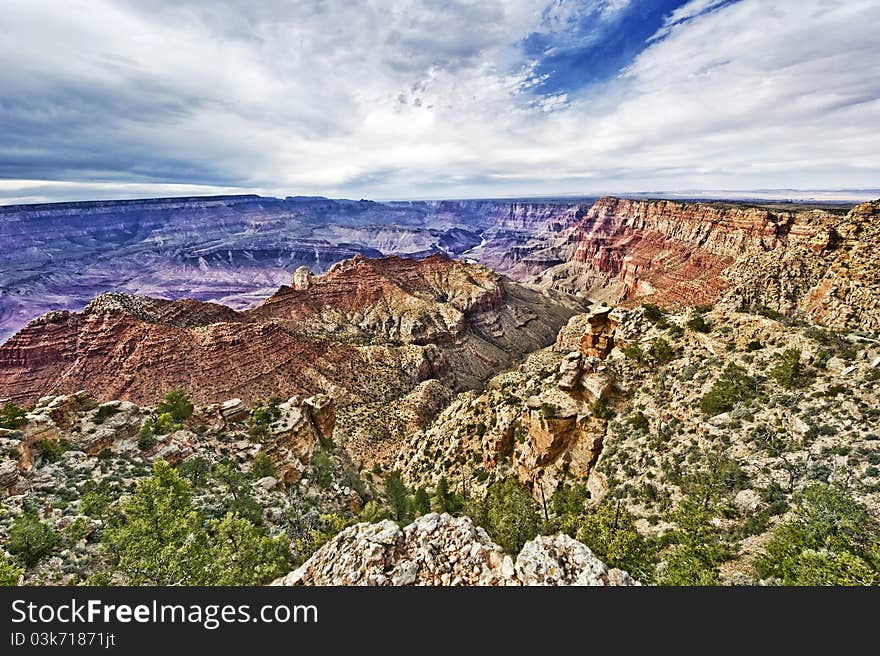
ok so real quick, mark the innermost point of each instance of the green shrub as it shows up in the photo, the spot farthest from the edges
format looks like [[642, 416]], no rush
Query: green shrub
[[52, 450], [262, 466], [698, 323], [698, 549], [661, 351], [600, 410], [509, 514], [12, 416], [10, 573], [787, 369], [30, 540], [635, 352], [611, 533], [329, 525], [652, 312], [733, 387], [322, 467], [830, 540], [639, 422], [176, 404], [106, 411], [146, 441]]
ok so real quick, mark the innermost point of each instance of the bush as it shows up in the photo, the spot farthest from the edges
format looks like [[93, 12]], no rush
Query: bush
[[733, 387], [652, 312], [262, 416], [509, 514], [830, 540], [634, 352], [548, 410], [698, 323], [176, 404], [160, 538], [660, 351], [12, 416], [30, 540], [146, 441], [195, 470], [397, 495], [639, 422], [262, 466], [106, 411], [10, 573], [322, 467], [787, 368], [52, 450], [96, 502], [698, 551], [611, 533], [600, 410], [329, 525]]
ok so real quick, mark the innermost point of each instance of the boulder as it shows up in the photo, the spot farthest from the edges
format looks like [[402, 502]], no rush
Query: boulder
[[444, 550], [234, 410]]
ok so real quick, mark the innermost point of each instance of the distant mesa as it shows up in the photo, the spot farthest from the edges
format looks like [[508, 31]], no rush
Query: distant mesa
[[368, 329]]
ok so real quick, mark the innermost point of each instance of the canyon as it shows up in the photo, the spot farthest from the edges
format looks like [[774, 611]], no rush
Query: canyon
[[367, 330], [400, 388]]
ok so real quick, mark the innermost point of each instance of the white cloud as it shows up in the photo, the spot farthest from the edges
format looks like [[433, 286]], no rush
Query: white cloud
[[427, 98]]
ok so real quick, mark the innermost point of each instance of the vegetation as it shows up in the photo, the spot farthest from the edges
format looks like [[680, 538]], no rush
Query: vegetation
[[698, 323], [31, 540], [52, 450], [177, 404], [661, 351], [611, 533], [634, 352], [697, 551], [329, 525], [322, 466], [830, 540], [652, 312], [12, 416], [160, 538], [262, 466], [733, 387], [261, 417], [397, 494], [509, 514], [10, 573], [787, 370]]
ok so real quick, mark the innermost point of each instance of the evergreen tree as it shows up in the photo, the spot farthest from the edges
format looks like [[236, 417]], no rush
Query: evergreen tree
[[31, 540], [160, 538], [397, 494], [242, 554]]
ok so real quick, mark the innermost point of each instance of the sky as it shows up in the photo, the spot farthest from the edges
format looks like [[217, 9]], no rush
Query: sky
[[388, 99]]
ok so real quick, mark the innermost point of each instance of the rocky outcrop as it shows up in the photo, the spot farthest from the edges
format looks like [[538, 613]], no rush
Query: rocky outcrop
[[367, 330], [444, 550], [808, 263]]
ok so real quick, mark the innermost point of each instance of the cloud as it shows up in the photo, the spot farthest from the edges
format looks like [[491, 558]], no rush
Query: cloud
[[414, 98]]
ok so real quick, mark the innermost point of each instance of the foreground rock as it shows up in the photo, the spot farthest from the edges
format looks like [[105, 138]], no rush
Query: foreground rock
[[445, 550]]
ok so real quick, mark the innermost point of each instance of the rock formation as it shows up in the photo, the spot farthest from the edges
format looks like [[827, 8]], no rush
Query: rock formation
[[809, 263], [444, 550], [366, 330]]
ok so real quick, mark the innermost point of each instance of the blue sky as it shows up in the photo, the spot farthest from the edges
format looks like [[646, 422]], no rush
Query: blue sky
[[435, 98]]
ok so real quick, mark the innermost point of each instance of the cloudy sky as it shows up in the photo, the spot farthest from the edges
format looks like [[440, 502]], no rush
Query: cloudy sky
[[435, 98]]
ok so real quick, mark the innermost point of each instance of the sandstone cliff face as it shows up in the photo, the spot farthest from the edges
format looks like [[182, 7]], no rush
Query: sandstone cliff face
[[542, 422], [367, 330], [444, 550], [808, 263]]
